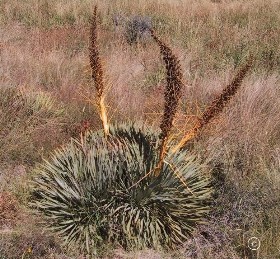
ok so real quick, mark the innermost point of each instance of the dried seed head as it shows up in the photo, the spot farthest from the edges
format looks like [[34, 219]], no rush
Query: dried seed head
[[173, 90], [221, 101], [218, 104], [95, 61], [172, 95], [97, 71]]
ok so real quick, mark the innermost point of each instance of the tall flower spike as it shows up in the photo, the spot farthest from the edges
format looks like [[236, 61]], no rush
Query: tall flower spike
[[217, 105], [172, 95], [97, 71]]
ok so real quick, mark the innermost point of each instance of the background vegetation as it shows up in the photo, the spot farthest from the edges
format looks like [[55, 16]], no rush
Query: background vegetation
[[46, 98]]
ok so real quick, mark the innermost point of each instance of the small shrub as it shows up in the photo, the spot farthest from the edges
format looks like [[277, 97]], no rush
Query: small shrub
[[137, 28]]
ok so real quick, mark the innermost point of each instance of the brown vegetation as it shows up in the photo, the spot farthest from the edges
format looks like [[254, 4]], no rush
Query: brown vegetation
[[172, 95], [8, 210], [97, 72]]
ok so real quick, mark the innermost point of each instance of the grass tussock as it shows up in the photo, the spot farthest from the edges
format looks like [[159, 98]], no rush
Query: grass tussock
[[25, 115]]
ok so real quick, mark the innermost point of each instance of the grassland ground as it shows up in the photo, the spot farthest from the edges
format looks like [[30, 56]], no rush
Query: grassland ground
[[46, 97]]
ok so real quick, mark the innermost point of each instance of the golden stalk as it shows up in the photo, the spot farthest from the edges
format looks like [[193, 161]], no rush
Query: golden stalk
[[217, 105], [97, 72], [173, 92]]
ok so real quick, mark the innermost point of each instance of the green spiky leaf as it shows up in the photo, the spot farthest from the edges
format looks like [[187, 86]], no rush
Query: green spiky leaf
[[96, 191]]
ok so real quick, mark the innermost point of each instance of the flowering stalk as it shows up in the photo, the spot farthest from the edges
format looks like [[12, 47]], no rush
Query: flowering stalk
[[217, 105], [97, 72], [172, 95]]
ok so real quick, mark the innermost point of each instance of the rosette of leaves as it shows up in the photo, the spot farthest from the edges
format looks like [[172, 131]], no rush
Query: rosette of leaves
[[101, 190]]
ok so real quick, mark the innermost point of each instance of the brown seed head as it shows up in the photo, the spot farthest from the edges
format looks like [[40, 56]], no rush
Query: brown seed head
[[97, 72], [173, 90], [218, 104], [222, 100], [95, 61]]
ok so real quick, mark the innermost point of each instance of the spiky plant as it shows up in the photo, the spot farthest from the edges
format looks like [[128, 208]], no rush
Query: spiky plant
[[124, 186], [97, 190]]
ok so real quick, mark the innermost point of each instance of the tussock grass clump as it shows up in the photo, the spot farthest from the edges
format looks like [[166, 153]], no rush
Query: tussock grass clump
[[96, 191], [23, 115]]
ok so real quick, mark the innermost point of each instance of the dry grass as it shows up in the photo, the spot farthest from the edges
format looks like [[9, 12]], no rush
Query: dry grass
[[24, 116], [8, 210], [45, 50]]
